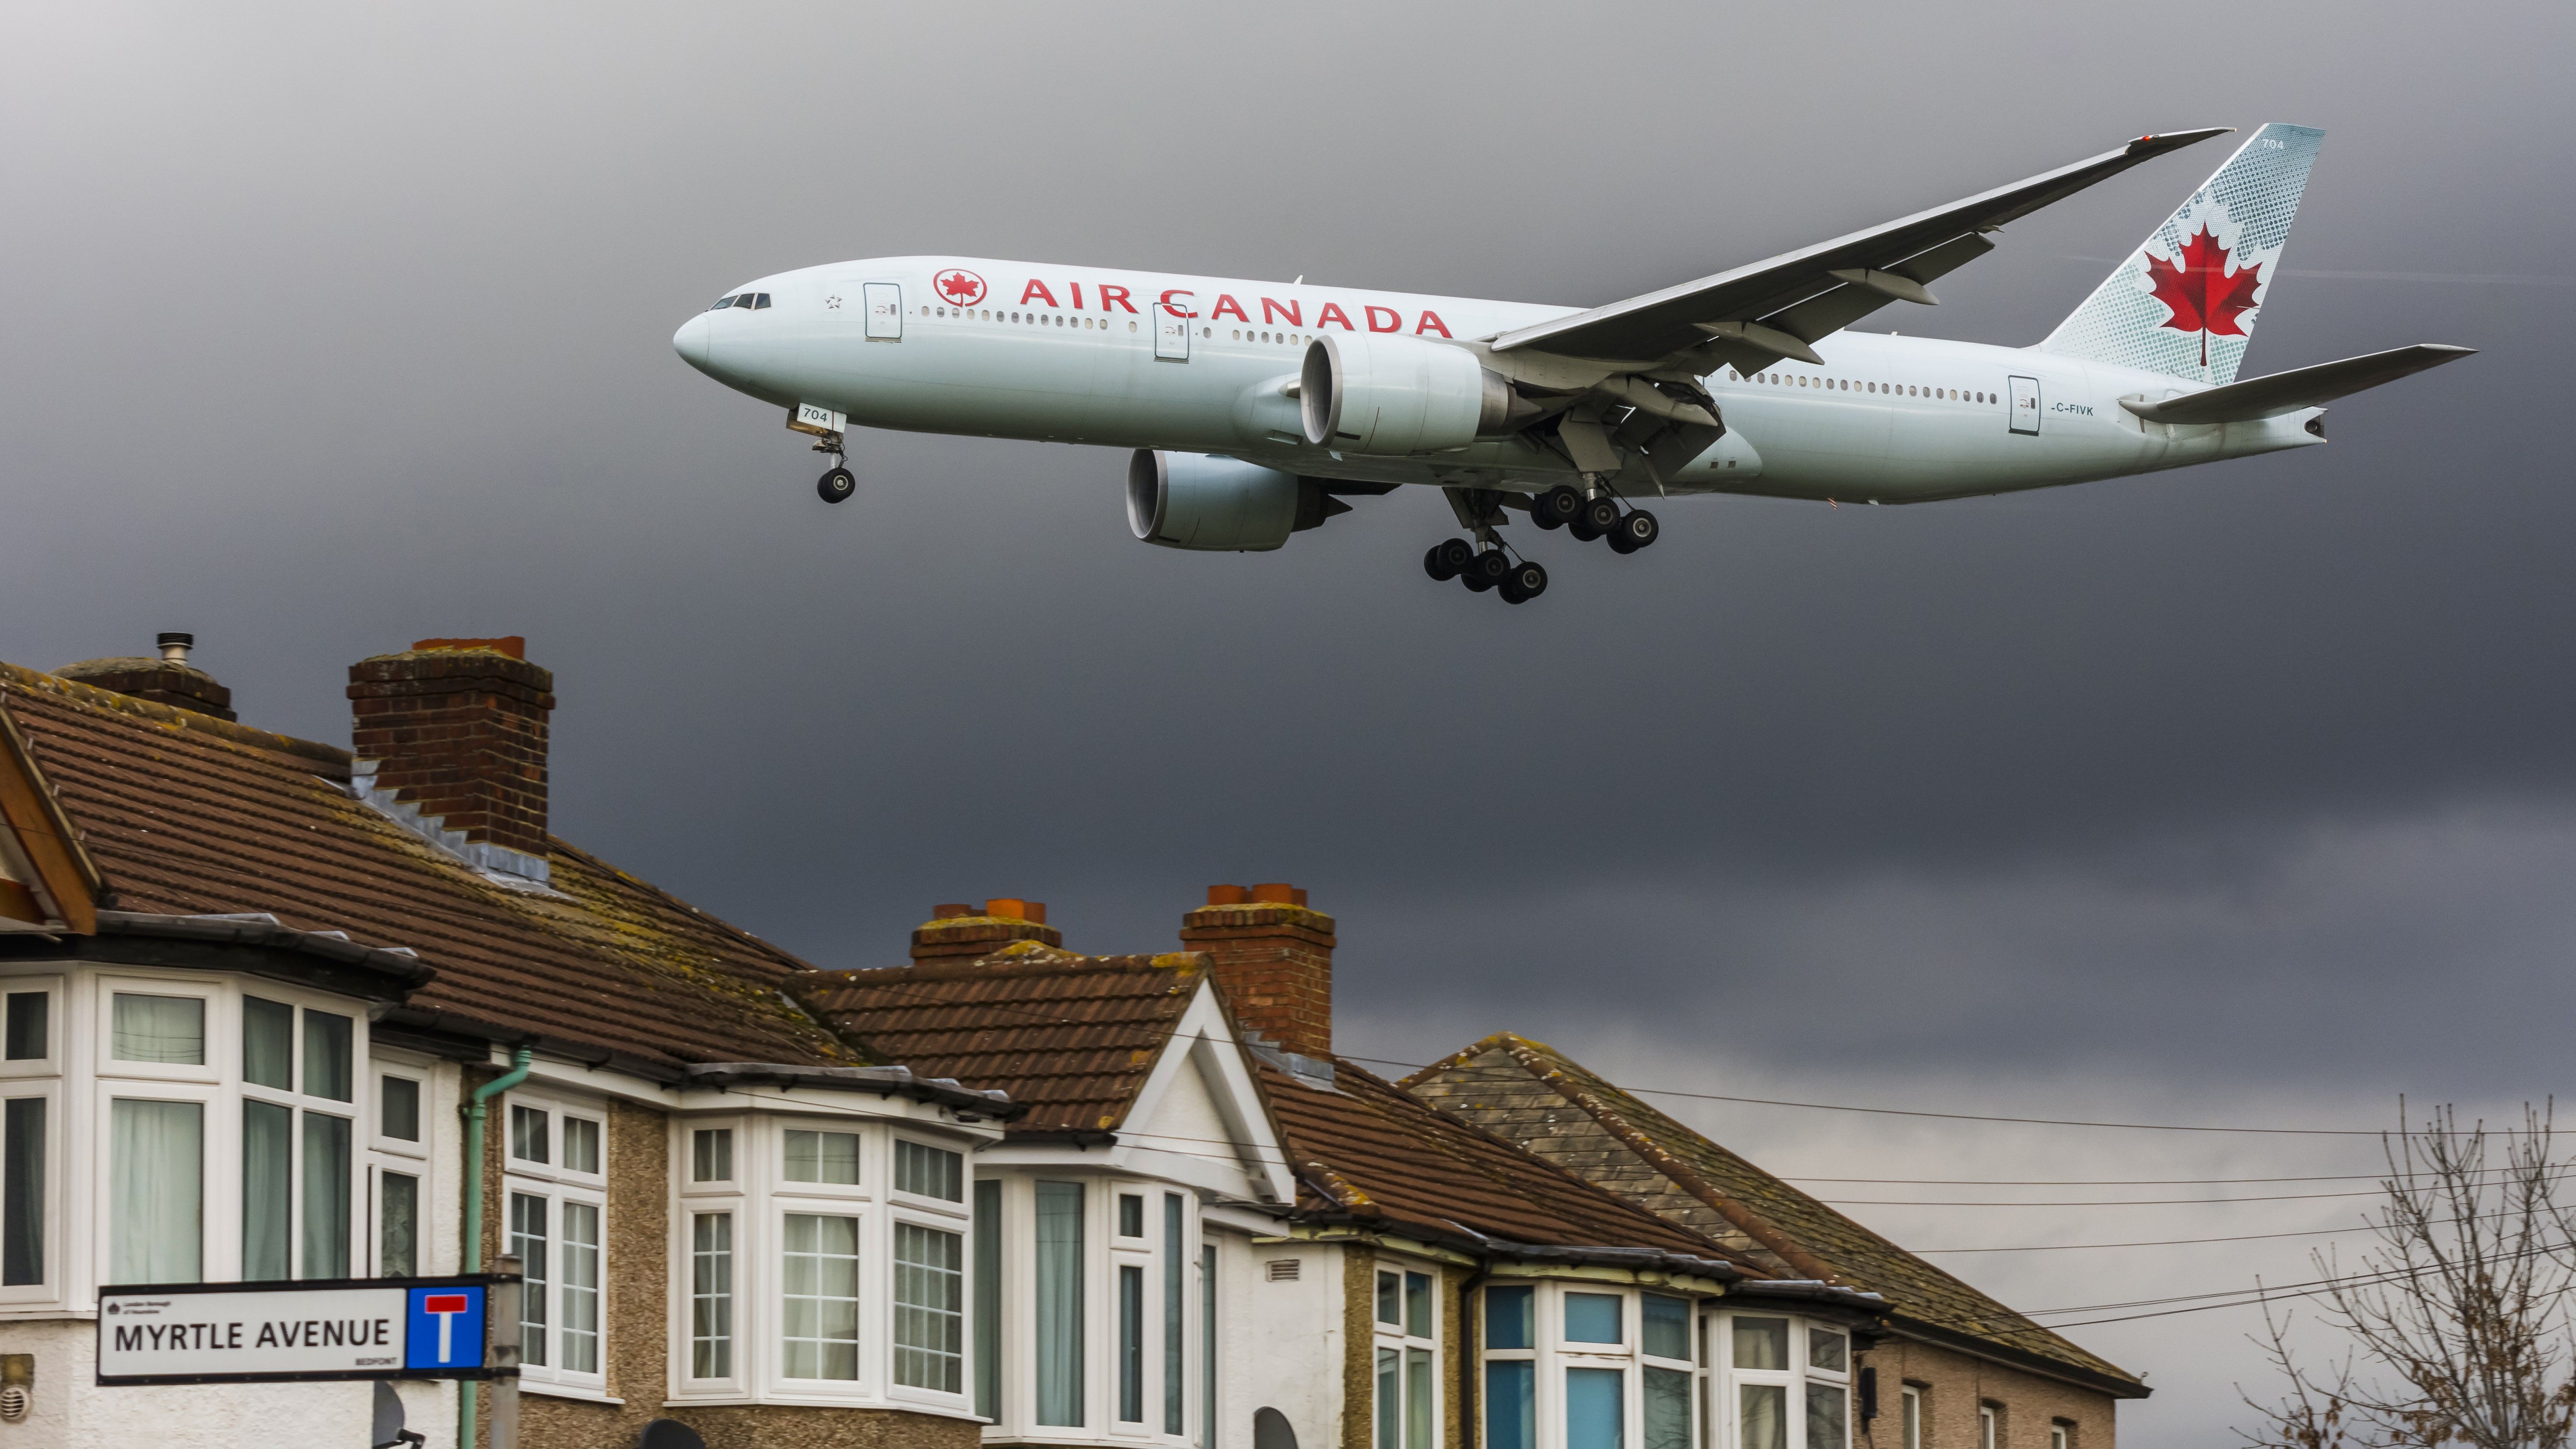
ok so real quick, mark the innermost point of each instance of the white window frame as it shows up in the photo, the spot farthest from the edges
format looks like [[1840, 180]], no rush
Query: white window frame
[[1909, 1423], [896, 1193], [1400, 1339], [377, 1141], [56, 1027], [1719, 1347], [953, 1219], [51, 1219], [1989, 1427], [876, 1164], [557, 1185], [297, 1104], [870, 1288], [731, 1196]]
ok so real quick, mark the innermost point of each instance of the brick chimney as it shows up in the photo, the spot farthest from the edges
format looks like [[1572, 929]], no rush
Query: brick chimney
[[1273, 958], [450, 735], [169, 680], [963, 932]]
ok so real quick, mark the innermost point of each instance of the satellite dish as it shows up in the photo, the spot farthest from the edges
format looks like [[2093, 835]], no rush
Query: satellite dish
[[669, 1434], [389, 1432], [1270, 1430]]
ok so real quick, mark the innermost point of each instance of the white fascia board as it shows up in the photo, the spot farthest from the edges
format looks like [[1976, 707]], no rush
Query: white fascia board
[[1246, 1220], [1204, 1042], [597, 1081]]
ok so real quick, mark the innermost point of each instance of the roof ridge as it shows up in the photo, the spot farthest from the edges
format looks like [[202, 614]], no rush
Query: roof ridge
[[227, 732]]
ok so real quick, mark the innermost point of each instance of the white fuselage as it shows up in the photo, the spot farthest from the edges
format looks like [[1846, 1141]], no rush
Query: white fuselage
[[1072, 354]]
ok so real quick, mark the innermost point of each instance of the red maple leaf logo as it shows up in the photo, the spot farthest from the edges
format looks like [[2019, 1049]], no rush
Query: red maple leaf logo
[[961, 287], [2204, 296]]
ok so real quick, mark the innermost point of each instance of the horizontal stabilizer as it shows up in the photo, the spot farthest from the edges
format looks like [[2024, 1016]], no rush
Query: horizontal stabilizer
[[2288, 392]]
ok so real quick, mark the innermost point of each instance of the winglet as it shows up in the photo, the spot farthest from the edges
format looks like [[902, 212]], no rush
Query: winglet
[[2156, 144]]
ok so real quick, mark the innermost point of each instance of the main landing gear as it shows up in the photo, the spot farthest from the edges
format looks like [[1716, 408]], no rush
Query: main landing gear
[[1488, 566], [1486, 570], [837, 485]]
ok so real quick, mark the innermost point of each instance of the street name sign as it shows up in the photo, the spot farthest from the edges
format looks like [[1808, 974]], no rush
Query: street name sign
[[341, 1328]]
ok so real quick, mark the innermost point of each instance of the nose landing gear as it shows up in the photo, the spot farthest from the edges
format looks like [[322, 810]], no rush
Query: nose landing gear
[[839, 483]]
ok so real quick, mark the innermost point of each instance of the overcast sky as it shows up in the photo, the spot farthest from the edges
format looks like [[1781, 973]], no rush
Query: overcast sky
[[2241, 794]]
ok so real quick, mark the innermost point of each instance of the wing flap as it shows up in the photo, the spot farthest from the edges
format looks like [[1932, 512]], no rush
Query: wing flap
[[2302, 387]]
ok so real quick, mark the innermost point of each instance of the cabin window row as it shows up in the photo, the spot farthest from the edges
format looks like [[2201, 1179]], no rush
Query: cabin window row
[[1036, 319], [1845, 384]]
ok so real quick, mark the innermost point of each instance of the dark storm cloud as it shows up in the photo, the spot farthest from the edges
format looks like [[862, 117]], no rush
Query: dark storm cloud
[[331, 328]]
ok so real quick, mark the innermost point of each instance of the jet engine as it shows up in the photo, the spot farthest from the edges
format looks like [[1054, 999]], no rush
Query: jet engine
[[1393, 395], [1194, 501]]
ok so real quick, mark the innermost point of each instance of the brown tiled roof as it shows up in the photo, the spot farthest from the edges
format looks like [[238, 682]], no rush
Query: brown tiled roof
[[189, 815], [1364, 1149], [1560, 1111], [1070, 1037]]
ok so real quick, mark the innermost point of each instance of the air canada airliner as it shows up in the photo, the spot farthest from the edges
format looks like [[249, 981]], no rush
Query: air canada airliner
[[1255, 408]]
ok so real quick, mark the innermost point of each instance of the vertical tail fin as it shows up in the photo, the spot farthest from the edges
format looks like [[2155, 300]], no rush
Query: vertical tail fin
[[2185, 302]]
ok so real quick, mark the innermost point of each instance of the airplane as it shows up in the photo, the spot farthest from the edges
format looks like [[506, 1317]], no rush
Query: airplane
[[1254, 409]]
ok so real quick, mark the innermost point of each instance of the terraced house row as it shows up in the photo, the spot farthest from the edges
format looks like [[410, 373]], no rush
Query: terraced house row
[[276, 1009]]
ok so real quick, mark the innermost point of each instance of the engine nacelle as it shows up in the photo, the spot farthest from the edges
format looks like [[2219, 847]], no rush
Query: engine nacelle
[[1394, 395], [1194, 501]]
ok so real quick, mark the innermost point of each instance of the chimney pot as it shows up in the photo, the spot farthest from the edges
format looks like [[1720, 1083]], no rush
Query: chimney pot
[[963, 932], [1227, 895], [175, 647]]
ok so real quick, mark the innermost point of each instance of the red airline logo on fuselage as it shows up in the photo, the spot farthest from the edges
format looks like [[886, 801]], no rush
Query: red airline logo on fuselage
[[958, 287], [1181, 302]]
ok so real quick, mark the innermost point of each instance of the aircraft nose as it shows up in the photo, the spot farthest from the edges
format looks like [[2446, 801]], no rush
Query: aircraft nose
[[694, 343]]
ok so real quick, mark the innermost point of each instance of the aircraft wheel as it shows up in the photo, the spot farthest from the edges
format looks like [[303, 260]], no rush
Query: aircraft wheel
[[1486, 570], [837, 485], [1556, 507], [1636, 531], [1447, 559], [1525, 582], [1600, 516]]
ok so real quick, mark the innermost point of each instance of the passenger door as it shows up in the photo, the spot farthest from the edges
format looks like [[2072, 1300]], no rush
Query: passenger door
[[1171, 335], [2025, 405], [885, 312]]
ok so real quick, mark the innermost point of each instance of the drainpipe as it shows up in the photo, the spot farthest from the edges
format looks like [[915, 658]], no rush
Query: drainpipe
[[520, 1062]]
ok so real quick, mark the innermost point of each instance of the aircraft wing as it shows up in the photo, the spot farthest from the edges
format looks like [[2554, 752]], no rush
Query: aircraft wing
[[1755, 315], [2301, 387]]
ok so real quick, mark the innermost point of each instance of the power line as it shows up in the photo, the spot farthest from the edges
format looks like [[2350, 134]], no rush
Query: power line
[[2093, 1202], [1964, 1116], [2177, 1242], [2104, 1181]]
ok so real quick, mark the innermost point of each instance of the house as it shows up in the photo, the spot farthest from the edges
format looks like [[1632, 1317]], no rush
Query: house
[[250, 981], [1963, 1370], [278, 1010]]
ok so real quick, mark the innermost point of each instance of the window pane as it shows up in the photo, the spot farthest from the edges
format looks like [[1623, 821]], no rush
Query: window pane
[[327, 1056], [22, 1181], [1131, 1335], [822, 1156], [169, 1029], [1825, 1416], [1761, 1343], [1764, 1416], [1175, 1340], [1207, 1346], [156, 1189], [326, 1196], [268, 1043], [528, 1240], [1511, 1417], [580, 1144], [1390, 1298], [1390, 1399], [1417, 1306], [1131, 1215], [929, 1308], [28, 1037], [711, 1296], [1418, 1398], [821, 1321], [1592, 1318], [1059, 1303], [1665, 1321], [711, 1156], [929, 1171], [1668, 1410], [988, 1299], [399, 1109], [1507, 1317], [528, 1135], [580, 1285], [268, 1208], [398, 1225], [1596, 1408], [1825, 1350]]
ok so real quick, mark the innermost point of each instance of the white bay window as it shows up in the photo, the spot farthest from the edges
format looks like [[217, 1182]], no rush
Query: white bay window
[[554, 1192]]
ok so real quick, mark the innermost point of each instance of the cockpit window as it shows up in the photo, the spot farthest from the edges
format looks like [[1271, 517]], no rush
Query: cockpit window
[[760, 299], [754, 300], [721, 304], [744, 300]]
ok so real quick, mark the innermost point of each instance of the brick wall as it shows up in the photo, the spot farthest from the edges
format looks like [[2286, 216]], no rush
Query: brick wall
[[1955, 1384], [1272, 956], [458, 729]]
